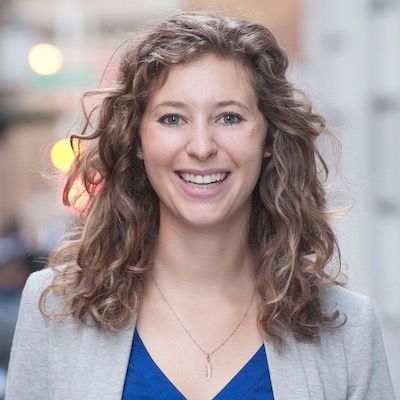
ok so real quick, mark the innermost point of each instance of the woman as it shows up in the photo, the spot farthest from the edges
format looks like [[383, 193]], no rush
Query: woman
[[198, 268]]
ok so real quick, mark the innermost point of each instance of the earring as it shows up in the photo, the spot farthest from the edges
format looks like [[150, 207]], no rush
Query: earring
[[267, 154], [139, 154]]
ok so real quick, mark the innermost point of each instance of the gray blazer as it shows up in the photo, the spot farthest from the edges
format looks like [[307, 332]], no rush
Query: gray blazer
[[70, 361]]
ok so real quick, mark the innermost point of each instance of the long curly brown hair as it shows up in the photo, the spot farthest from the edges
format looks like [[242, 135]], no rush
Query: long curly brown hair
[[102, 266]]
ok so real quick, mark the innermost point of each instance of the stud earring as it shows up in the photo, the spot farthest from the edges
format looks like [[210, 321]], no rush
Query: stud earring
[[139, 154], [267, 154]]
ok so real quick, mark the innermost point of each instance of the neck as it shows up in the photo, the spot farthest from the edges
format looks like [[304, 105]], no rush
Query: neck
[[204, 262]]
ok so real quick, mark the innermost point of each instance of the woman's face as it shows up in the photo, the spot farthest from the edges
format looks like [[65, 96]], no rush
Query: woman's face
[[202, 139]]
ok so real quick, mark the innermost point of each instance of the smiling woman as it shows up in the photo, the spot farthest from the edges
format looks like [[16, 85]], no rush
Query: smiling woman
[[199, 267]]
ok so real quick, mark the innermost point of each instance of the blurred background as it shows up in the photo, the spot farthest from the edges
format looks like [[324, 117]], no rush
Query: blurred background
[[345, 55]]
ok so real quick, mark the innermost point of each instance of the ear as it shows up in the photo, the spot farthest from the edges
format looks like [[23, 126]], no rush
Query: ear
[[139, 154]]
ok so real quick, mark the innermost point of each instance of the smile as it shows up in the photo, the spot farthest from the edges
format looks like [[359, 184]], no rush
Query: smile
[[203, 179]]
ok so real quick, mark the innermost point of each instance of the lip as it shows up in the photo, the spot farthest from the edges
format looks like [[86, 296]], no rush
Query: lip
[[202, 193]]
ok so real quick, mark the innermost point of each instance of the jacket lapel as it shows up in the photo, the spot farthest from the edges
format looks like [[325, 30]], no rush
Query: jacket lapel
[[287, 373], [111, 364], [101, 366]]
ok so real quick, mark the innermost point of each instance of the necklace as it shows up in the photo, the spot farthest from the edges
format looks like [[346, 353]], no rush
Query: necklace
[[207, 354]]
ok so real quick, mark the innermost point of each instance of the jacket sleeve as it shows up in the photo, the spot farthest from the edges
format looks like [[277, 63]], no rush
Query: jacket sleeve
[[28, 367], [369, 377]]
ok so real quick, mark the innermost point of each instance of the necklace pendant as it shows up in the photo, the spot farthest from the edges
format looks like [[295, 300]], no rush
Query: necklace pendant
[[208, 368]]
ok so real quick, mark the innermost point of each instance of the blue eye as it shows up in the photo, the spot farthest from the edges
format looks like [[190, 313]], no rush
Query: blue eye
[[231, 119], [170, 120]]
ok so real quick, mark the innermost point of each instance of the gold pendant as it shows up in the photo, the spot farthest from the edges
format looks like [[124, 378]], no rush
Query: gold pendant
[[208, 367]]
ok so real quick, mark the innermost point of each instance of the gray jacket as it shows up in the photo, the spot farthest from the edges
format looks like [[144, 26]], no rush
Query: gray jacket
[[71, 361]]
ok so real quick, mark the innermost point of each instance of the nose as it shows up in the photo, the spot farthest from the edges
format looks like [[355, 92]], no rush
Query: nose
[[202, 144]]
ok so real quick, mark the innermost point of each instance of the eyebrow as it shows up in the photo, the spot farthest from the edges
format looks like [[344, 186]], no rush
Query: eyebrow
[[176, 104], [219, 104], [227, 103]]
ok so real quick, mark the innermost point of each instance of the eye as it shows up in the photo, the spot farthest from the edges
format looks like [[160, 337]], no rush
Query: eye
[[230, 119], [170, 120]]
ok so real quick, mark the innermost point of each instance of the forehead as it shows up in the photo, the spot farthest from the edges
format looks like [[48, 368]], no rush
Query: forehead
[[209, 77]]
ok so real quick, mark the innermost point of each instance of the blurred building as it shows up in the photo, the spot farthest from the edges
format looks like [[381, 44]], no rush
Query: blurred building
[[346, 56], [351, 59]]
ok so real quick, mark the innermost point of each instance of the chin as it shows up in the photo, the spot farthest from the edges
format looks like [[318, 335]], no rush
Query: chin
[[204, 222]]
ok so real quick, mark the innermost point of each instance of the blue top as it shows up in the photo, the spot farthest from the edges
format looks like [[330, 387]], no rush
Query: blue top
[[145, 381]]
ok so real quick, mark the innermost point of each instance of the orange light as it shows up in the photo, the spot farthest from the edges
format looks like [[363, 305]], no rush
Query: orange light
[[62, 155]]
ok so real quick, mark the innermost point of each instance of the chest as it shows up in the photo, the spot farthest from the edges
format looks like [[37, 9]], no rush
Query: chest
[[179, 353], [144, 379]]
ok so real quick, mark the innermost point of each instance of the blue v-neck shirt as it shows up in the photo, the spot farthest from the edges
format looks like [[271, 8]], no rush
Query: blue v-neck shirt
[[145, 381]]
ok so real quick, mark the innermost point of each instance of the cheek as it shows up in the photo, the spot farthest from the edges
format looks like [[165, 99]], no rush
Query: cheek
[[158, 141], [251, 155], [150, 145], [159, 153], [253, 168], [249, 147]]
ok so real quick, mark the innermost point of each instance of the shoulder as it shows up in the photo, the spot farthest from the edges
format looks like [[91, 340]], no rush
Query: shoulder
[[356, 309], [38, 281], [359, 333], [351, 357], [53, 320], [336, 297], [33, 288]]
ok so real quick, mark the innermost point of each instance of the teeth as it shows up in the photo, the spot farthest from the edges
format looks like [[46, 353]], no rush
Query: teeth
[[205, 179]]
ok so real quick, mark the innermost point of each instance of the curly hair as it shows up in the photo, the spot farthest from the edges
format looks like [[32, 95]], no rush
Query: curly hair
[[102, 265]]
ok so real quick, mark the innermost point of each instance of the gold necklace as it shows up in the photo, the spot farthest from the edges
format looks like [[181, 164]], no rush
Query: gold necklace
[[207, 354]]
